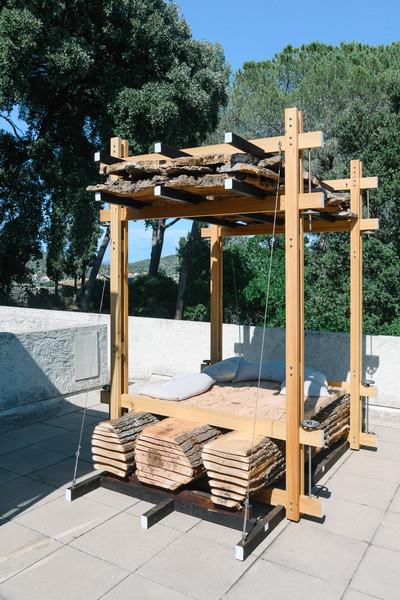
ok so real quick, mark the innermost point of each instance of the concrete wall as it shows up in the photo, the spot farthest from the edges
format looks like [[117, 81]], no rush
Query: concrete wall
[[166, 347]]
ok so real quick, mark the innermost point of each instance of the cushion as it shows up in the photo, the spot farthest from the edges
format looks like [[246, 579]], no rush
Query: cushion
[[271, 370], [178, 388], [225, 370], [315, 383]]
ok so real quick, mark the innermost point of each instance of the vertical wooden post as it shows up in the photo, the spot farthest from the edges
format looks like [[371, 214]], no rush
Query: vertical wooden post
[[355, 306], [294, 392], [301, 304], [216, 293], [118, 295]]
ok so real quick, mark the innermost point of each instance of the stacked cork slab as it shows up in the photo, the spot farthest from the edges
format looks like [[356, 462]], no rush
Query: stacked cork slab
[[234, 463], [168, 454], [113, 442], [335, 420]]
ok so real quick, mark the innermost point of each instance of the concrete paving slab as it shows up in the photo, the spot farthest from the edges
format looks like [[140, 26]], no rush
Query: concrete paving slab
[[387, 450], [33, 433], [180, 521], [20, 547], [394, 506], [123, 542], [61, 474], [139, 508], [378, 574], [196, 567], [138, 587], [72, 421], [368, 465], [218, 534], [67, 574], [360, 489], [388, 532], [8, 444], [267, 580], [29, 459], [6, 475], [349, 519], [23, 494], [110, 498], [99, 411], [65, 521], [315, 552], [387, 434], [354, 595], [66, 442]]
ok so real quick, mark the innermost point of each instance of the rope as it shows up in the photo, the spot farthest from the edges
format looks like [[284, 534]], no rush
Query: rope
[[78, 452], [247, 499]]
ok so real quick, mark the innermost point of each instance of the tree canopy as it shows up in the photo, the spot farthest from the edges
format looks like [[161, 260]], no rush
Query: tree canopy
[[80, 72]]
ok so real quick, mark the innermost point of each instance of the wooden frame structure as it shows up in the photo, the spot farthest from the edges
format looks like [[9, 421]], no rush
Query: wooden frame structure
[[292, 202]]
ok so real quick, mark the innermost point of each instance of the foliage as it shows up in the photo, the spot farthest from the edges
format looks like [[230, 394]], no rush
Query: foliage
[[80, 72]]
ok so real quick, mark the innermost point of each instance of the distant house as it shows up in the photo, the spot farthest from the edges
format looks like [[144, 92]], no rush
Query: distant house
[[44, 278]]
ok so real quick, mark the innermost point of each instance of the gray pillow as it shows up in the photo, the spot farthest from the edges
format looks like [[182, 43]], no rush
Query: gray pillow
[[178, 388], [225, 370], [271, 370], [315, 383]]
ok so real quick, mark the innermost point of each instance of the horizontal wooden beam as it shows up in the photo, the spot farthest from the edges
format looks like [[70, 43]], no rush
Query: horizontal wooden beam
[[369, 224], [260, 229], [160, 191], [245, 189], [312, 139], [314, 507], [106, 159], [105, 198], [216, 418], [365, 390], [218, 208], [341, 185], [370, 440]]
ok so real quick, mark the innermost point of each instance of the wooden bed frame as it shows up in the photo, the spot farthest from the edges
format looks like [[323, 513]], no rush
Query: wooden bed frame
[[294, 200]]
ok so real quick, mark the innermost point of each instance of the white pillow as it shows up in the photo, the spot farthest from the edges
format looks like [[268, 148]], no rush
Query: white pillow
[[271, 370], [225, 370], [315, 383], [179, 388]]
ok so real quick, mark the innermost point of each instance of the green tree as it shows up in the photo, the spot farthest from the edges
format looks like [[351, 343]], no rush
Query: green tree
[[80, 72]]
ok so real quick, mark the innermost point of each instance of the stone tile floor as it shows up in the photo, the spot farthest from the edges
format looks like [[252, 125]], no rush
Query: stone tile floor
[[94, 547]]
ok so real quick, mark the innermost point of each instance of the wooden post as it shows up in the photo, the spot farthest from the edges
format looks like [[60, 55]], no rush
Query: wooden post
[[294, 391], [355, 306], [216, 293], [118, 295], [301, 304]]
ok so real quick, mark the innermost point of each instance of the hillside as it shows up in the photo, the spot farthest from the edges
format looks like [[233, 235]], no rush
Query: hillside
[[169, 264]]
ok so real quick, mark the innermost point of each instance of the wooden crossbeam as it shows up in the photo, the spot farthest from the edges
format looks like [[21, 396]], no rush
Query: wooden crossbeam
[[106, 159], [341, 185], [169, 151], [118, 200], [241, 144], [272, 429], [160, 191], [314, 507]]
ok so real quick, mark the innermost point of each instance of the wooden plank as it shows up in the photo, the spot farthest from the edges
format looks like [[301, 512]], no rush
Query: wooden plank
[[368, 439], [340, 185], [259, 229], [355, 307], [301, 299], [241, 144], [259, 532], [294, 395], [369, 224], [158, 512], [220, 419], [314, 507], [369, 391], [115, 311], [215, 294]]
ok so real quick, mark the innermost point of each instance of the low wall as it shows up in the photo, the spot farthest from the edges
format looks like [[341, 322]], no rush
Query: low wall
[[167, 347], [45, 356], [35, 365]]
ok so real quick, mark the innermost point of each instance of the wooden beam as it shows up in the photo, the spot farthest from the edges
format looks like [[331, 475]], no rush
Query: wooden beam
[[314, 507], [216, 294], [369, 224], [259, 229], [218, 208], [341, 185], [245, 189], [301, 299], [294, 392], [170, 408], [370, 440], [117, 200], [367, 391], [116, 311], [355, 306], [106, 159], [311, 139]]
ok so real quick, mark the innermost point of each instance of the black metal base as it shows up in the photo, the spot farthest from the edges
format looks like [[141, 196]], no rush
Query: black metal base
[[195, 500]]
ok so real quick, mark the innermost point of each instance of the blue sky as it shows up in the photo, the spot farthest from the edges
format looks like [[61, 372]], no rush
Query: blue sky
[[258, 30]]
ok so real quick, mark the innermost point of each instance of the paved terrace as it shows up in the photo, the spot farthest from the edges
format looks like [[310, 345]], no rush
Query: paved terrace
[[95, 548]]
